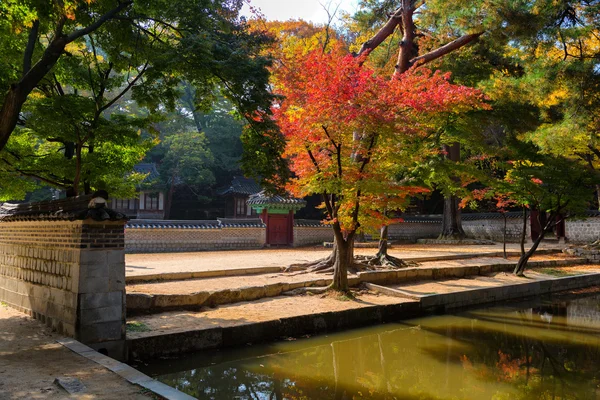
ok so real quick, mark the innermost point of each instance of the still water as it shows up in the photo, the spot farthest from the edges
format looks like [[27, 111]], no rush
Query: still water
[[544, 350]]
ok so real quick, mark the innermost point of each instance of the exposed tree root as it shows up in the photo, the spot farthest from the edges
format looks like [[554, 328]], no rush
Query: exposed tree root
[[318, 290], [361, 263]]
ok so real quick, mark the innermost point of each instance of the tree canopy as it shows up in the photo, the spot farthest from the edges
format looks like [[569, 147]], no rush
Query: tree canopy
[[102, 57]]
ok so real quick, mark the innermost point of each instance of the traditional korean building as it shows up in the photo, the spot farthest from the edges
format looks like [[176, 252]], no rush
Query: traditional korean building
[[236, 195], [277, 213], [150, 202]]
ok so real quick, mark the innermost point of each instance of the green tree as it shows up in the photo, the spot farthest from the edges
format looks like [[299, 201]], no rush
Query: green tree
[[187, 161], [153, 44], [557, 187]]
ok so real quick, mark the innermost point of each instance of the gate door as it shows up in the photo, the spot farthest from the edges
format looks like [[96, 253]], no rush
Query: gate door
[[278, 230]]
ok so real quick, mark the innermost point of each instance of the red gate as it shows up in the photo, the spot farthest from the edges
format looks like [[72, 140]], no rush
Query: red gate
[[277, 230]]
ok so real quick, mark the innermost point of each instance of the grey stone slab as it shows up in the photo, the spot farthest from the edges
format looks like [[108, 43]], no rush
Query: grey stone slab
[[94, 285], [103, 314], [102, 332], [99, 300], [70, 385], [93, 257]]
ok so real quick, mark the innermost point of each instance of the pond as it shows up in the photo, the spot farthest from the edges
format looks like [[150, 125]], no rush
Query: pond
[[548, 349]]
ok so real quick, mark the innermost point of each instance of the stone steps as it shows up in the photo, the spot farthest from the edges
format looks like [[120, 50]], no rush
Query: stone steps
[[234, 330], [155, 303]]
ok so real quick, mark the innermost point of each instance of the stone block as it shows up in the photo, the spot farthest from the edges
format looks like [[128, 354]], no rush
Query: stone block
[[114, 257], [411, 274], [94, 285], [104, 314], [138, 301], [93, 257], [424, 273], [101, 332]]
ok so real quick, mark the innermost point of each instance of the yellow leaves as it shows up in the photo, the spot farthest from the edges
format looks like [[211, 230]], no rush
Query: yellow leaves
[[555, 97]]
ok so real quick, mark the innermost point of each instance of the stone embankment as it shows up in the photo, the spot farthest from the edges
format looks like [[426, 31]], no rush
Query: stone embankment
[[249, 309], [228, 289]]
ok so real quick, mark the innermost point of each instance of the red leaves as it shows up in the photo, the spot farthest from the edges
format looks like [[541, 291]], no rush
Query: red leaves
[[350, 132]]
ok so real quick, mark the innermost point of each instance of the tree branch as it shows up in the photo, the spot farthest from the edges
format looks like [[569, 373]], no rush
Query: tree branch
[[445, 49], [386, 31], [92, 27], [31, 41], [129, 86]]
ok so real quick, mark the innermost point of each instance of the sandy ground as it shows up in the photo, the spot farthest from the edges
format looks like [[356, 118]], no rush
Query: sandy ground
[[232, 282], [256, 311], [30, 360], [156, 263]]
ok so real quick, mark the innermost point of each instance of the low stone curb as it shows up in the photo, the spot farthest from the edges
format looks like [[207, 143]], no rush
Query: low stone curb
[[180, 276], [141, 302], [461, 242], [126, 372], [479, 296], [169, 344]]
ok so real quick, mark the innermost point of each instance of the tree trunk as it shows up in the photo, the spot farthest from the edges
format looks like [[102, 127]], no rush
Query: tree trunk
[[170, 197], [451, 220], [598, 195], [524, 232], [504, 237], [383, 242], [343, 260], [77, 178], [18, 92], [520, 268]]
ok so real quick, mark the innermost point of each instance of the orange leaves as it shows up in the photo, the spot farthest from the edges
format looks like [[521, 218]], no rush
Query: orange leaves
[[351, 133]]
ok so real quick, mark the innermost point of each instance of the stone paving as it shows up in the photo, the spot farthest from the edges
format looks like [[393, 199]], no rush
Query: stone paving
[[163, 263], [31, 359]]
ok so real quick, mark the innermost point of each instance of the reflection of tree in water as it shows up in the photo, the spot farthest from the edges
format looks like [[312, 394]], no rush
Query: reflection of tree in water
[[479, 355]]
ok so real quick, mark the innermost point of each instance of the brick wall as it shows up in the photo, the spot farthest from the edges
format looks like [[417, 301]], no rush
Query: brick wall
[[68, 274]]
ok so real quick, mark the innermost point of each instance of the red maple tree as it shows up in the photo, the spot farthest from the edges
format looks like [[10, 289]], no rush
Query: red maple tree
[[351, 133]]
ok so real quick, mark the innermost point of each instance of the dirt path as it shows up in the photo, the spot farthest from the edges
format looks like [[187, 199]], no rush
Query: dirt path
[[145, 264], [30, 360]]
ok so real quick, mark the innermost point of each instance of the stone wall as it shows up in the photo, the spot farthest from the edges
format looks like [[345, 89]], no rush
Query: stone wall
[[410, 231], [181, 236], [68, 274], [312, 235], [173, 236], [583, 231], [491, 228]]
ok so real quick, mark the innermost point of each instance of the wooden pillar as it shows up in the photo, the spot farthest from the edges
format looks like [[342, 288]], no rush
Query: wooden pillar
[[291, 228]]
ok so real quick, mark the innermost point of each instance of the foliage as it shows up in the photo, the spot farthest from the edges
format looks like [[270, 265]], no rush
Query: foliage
[[119, 56], [188, 161], [330, 100]]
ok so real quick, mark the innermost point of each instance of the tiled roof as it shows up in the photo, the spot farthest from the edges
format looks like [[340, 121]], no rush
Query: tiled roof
[[147, 168], [261, 199], [240, 185], [72, 208], [310, 223], [201, 224]]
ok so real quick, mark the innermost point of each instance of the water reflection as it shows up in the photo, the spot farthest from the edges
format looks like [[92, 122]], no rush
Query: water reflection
[[549, 351]]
